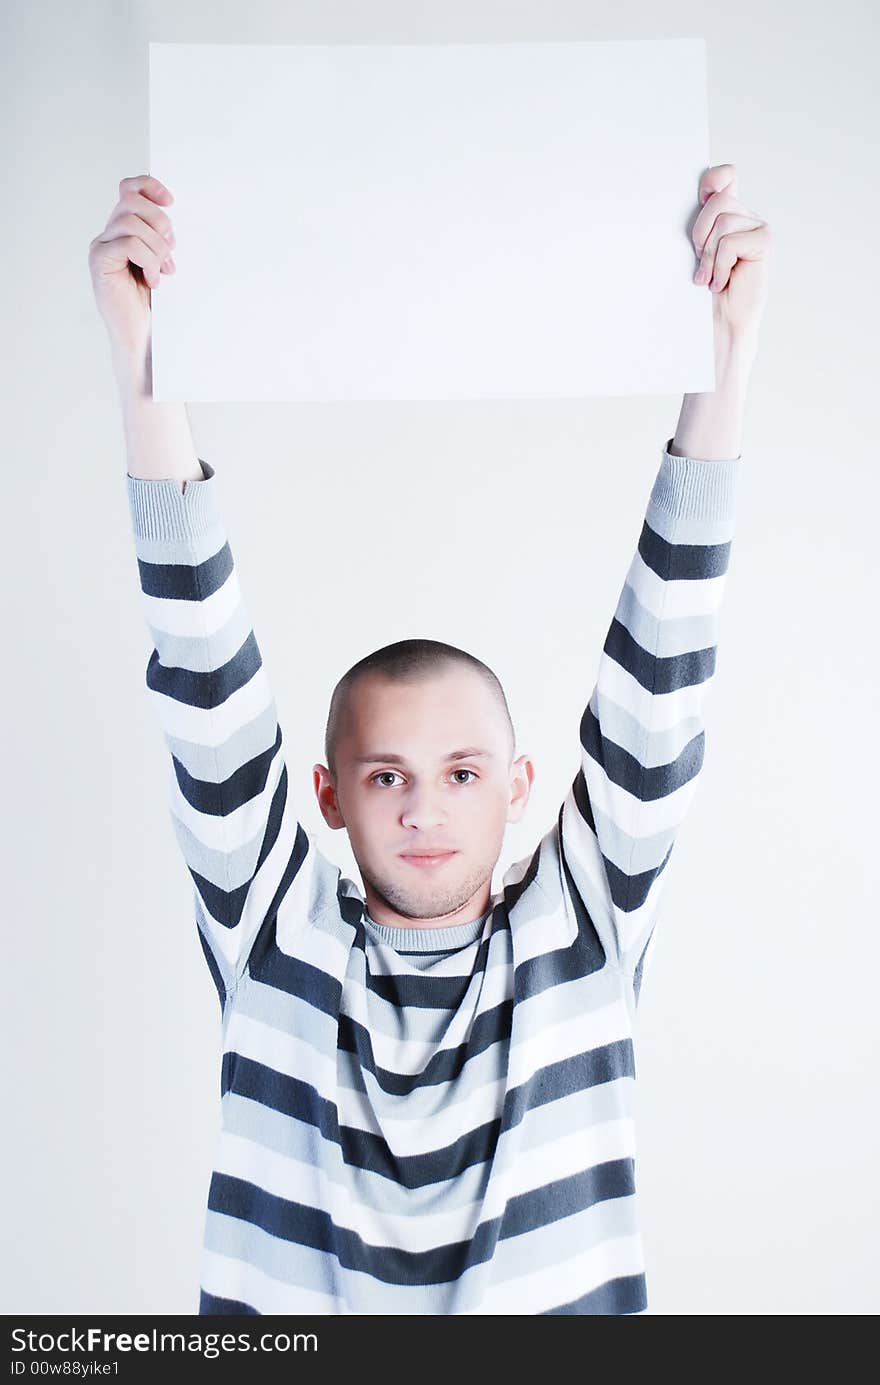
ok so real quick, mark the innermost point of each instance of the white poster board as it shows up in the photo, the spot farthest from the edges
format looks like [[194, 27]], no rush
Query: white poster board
[[430, 221]]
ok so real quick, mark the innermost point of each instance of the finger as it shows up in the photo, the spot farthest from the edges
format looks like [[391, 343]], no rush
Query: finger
[[149, 212], [719, 202], [140, 194], [751, 244], [725, 225], [140, 225], [130, 225], [718, 178], [122, 250], [148, 185]]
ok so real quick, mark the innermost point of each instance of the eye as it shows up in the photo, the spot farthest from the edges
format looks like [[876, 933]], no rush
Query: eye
[[464, 771], [382, 774]]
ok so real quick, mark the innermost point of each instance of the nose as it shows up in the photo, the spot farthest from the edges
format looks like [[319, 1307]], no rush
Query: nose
[[423, 811]]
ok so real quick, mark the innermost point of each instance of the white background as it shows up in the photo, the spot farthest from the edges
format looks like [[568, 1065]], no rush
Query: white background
[[758, 1045]]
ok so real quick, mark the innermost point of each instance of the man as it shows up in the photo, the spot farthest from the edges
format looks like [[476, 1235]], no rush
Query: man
[[427, 1089]]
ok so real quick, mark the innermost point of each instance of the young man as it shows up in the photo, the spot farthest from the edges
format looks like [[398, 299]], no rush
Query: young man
[[427, 1089]]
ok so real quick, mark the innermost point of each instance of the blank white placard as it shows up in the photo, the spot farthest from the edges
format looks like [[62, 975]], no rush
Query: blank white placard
[[430, 221]]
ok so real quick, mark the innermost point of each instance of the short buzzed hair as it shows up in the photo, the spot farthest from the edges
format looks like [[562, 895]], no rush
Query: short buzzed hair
[[407, 660]]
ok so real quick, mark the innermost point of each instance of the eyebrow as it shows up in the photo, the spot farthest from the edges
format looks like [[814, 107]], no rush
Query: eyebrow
[[469, 753]]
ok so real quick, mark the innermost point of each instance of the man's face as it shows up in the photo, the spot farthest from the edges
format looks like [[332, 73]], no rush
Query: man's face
[[399, 791]]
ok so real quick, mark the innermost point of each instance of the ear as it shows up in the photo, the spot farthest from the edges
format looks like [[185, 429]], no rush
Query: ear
[[325, 792], [522, 776]]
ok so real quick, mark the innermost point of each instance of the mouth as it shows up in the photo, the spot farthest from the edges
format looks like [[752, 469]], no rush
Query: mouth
[[423, 860]]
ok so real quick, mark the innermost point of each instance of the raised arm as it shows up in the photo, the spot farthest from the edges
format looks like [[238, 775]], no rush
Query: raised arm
[[228, 786], [228, 781], [642, 733]]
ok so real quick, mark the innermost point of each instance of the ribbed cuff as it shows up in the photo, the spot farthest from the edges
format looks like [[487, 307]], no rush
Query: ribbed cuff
[[161, 510], [694, 489]]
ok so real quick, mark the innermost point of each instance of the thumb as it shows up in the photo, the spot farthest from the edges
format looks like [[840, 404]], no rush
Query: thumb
[[715, 179]]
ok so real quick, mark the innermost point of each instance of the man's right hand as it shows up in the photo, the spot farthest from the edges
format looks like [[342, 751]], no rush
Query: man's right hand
[[127, 259]]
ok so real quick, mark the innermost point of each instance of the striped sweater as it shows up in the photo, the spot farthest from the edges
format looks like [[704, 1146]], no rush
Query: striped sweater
[[432, 1120]]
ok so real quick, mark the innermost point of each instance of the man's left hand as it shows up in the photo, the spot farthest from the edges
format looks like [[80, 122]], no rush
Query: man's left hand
[[732, 244]]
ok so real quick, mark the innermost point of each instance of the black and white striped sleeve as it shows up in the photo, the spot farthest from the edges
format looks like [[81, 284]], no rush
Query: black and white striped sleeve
[[228, 783], [642, 733]]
